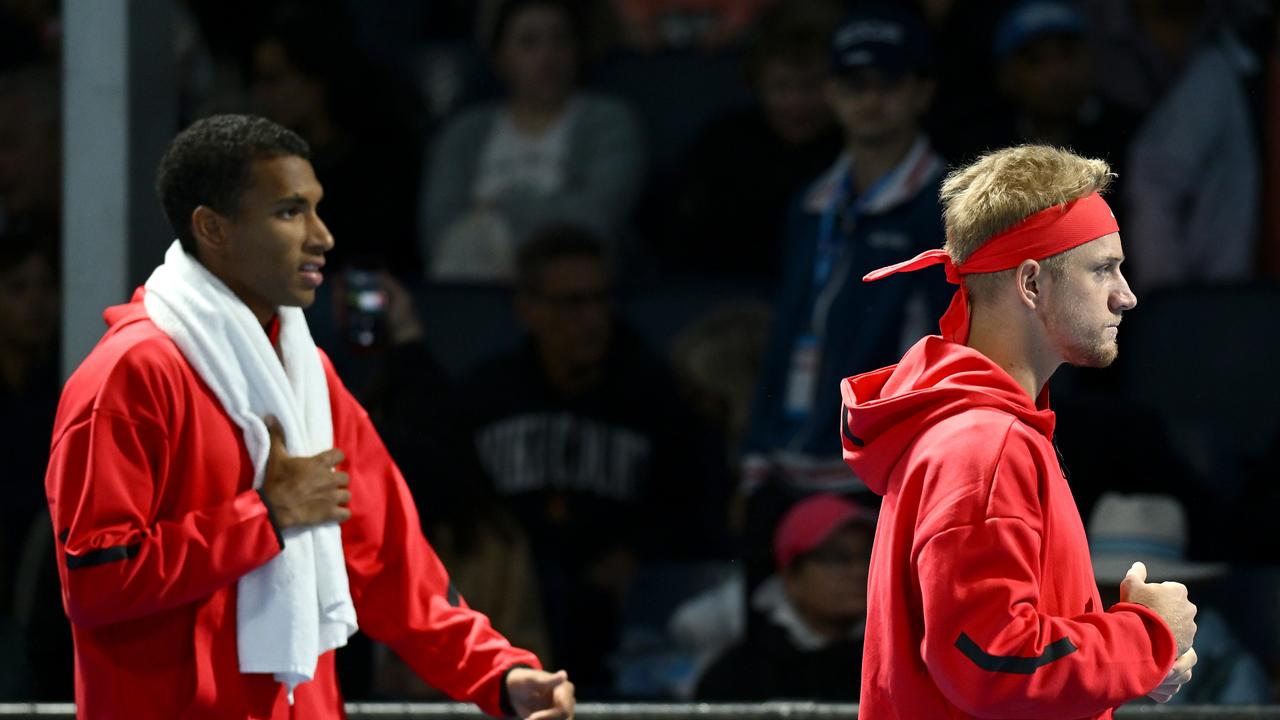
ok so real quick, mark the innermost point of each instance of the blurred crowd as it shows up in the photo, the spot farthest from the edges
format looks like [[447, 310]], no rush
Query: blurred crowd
[[598, 273]]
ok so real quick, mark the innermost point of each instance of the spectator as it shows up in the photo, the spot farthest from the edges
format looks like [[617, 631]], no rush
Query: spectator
[[1192, 204], [30, 145], [545, 153], [583, 433], [416, 407], [810, 648], [876, 203], [310, 76], [1152, 529], [1047, 78], [746, 166]]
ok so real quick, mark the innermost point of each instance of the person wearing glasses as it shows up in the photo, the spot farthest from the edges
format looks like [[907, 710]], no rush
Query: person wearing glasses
[[588, 442]]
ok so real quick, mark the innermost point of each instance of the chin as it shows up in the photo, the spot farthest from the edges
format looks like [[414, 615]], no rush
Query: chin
[[1095, 357], [300, 299]]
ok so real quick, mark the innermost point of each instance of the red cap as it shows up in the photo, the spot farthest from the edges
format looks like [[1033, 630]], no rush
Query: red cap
[[813, 520]]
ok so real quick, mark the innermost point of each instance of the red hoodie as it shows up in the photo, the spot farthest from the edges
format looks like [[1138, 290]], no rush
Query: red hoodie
[[981, 595], [151, 492]]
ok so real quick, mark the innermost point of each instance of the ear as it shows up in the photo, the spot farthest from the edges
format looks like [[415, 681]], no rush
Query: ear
[[1029, 277], [211, 231]]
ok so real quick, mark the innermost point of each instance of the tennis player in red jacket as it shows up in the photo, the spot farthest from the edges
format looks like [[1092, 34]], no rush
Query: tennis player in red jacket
[[981, 594], [174, 501]]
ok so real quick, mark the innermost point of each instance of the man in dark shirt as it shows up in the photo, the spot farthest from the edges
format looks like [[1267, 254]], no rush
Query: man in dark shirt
[[586, 439]]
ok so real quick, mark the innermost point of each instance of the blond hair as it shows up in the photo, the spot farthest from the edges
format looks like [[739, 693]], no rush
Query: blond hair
[[1003, 187]]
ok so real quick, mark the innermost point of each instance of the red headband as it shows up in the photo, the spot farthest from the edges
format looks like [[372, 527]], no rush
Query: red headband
[[1053, 230]]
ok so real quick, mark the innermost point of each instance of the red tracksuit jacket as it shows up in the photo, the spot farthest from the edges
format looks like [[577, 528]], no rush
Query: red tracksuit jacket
[[150, 490], [981, 595]]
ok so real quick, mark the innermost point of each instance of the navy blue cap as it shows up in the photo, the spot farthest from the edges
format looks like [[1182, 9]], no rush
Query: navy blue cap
[[1031, 20], [881, 37]]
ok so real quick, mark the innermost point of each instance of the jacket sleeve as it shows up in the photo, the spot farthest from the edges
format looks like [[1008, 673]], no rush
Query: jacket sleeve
[[989, 648], [402, 593], [119, 557]]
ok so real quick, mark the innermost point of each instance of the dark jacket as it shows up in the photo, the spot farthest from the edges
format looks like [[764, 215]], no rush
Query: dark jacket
[[865, 325], [768, 666]]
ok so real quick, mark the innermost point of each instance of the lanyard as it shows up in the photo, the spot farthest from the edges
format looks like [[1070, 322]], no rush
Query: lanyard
[[830, 250], [829, 241]]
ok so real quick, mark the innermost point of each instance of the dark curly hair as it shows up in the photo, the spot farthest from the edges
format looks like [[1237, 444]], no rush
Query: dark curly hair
[[208, 164]]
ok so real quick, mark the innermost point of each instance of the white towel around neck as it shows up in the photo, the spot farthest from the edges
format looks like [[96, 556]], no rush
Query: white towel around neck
[[298, 605]]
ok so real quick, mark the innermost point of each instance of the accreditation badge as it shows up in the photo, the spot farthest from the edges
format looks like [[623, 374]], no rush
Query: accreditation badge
[[802, 377]]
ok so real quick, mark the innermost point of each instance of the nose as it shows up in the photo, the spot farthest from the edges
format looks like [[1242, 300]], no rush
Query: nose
[[319, 237], [1124, 298]]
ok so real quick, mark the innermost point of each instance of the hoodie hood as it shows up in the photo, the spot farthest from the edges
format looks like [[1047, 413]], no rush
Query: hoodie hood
[[118, 316], [886, 409]]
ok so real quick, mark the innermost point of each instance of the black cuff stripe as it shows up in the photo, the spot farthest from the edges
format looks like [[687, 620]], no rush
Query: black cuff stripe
[[1011, 663], [271, 517], [504, 695], [103, 556]]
